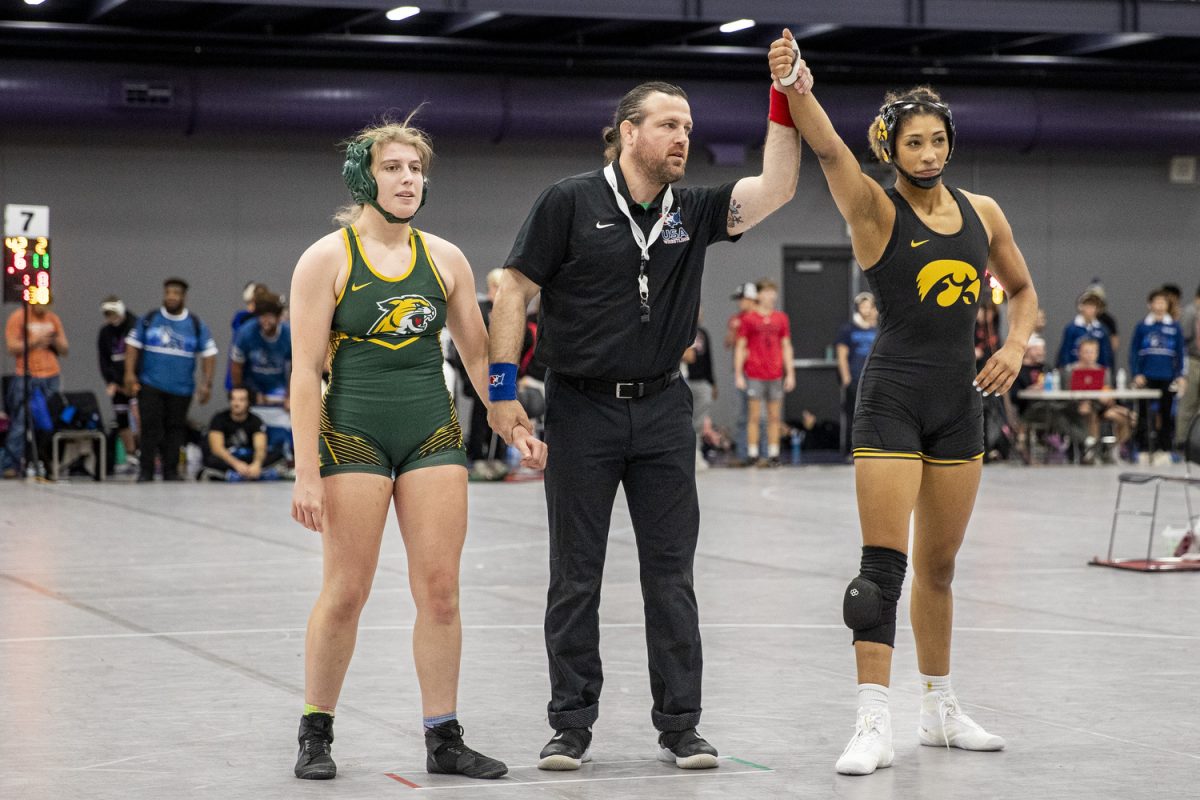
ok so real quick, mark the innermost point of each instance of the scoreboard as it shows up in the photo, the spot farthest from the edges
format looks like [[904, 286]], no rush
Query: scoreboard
[[27, 269]]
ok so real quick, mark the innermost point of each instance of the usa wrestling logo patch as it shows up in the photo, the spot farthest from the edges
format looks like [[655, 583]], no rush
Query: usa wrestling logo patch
[[673, 230]]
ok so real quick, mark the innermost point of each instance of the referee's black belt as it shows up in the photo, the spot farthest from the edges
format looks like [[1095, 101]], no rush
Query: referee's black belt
[[623, 390]]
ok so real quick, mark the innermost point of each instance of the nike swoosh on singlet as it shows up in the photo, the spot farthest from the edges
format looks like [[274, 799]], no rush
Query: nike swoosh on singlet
[[608, 225], [917, 244], [354, 287]]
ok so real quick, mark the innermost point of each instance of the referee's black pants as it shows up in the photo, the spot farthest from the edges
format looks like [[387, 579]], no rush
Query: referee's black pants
[[597, 442]]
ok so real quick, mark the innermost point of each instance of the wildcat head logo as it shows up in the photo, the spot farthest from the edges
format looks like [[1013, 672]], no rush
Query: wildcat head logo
[[957, 280], [410, 314]]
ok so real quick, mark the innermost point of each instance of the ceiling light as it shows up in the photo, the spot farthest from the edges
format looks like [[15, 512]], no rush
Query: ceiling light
[[397, 14], [737, 25], [34, 2]]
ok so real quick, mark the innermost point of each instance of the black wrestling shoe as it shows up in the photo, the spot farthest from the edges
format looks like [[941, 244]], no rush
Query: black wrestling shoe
[[446, 754], [686, 750], [568, 749], [314, 762]]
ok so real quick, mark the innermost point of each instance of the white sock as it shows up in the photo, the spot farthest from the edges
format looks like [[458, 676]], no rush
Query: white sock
[[773, 450], [872, 695], [752, 450], [935, 683]]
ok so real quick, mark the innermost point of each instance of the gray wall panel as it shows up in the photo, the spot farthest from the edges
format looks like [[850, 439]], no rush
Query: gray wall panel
[[125, 214]]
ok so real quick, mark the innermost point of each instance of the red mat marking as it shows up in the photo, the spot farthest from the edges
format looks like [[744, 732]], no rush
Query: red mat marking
[[1153, 565], [405, 781]]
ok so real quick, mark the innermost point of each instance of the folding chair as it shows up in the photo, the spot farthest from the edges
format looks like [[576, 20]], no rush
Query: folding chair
[[1188, 481]]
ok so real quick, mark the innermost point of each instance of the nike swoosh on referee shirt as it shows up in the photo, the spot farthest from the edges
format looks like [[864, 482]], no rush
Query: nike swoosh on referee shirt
[[917, 244], [607, 225], [356, 286]]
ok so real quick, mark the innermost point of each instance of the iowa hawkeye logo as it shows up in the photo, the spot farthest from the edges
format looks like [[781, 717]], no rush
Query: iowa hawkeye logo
[[409, 314], [957, 281]]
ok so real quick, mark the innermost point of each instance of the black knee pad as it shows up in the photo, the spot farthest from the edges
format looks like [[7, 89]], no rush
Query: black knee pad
[[869, 606]]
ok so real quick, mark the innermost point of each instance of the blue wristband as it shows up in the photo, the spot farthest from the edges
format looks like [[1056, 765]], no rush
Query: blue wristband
[[502, 382]]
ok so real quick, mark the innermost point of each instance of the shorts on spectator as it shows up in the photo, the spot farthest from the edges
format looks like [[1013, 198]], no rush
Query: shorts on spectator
[[771, 391]]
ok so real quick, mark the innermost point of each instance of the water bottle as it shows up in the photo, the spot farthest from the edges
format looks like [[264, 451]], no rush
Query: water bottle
[[1122, 379], [119, 452], [1048, 382], [797, 439]]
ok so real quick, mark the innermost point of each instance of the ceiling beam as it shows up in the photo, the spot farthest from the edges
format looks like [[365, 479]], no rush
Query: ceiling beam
[[466, 22], [1013, 16], [102, 8]]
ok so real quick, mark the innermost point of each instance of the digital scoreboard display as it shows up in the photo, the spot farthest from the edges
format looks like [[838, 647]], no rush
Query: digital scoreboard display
[[27, 269]]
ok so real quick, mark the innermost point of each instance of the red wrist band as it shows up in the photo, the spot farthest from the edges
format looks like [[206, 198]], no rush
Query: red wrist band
[[779, 112]]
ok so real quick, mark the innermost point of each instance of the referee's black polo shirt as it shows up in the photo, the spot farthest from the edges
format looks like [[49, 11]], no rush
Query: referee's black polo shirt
[[576, 244]]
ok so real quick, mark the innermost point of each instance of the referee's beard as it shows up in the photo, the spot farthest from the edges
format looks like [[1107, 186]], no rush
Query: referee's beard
[[657, 168]]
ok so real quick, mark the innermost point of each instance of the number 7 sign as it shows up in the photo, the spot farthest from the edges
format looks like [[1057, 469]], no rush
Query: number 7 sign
[[29, 221]]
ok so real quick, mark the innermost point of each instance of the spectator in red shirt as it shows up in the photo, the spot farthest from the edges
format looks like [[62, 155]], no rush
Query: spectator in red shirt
[[763, 364]]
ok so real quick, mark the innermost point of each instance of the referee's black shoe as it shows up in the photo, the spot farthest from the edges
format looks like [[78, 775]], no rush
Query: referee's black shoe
[[568, 749], [314, 762], [686, 750], [447, 754]]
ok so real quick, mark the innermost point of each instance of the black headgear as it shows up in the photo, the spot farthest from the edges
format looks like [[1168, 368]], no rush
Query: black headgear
[[356, 172], [889, 121]]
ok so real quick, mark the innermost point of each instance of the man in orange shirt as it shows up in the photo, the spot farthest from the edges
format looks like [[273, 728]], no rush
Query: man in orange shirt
[[47, 341]]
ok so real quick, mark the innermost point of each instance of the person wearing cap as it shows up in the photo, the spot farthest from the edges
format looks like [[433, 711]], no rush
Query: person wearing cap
[[160, 371], [852, 346], [746, 297], [110, 346], [1106, 319], [262, 354], [1086, 324], [250, 292]]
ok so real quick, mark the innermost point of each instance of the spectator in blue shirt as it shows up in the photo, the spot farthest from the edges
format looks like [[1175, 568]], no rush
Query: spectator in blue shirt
[[262, 354], [1086, 323], [240, 317], [160, 371], [852, 346], [1156, 361]]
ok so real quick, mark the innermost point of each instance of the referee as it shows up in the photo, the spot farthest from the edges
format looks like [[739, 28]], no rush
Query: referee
[[617, 255]]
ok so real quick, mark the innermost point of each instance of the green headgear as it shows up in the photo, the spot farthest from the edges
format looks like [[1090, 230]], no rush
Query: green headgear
[[356, 172]]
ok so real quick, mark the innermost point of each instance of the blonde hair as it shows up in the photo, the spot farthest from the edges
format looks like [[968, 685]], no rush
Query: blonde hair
[[387, 131], [924, 92]]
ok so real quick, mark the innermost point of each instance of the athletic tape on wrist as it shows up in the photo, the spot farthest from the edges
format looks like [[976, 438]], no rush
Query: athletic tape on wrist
[[502, 382], [779, 112], [790, 78]]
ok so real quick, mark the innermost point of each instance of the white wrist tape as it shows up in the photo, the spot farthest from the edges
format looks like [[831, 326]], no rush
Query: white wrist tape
[[795, 73]]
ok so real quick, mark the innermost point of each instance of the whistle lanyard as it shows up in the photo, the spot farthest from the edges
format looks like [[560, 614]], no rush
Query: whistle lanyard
[[639, 238]]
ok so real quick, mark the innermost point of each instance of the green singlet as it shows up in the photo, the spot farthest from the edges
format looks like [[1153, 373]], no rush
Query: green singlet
[[387, 409]]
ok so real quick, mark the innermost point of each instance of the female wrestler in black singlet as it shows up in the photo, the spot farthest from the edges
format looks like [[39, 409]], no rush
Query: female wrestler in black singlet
[[918, 424]]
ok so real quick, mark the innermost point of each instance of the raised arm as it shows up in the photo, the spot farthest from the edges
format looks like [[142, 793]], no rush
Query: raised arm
[[863, 203], [1008, 265], [756, 198]]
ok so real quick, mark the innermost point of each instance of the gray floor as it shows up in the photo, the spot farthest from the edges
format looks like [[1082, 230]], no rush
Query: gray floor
[[151, 642]]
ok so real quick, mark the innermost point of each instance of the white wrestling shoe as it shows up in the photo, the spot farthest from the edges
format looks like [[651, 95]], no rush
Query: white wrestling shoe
[[871, 746], [945, 724]]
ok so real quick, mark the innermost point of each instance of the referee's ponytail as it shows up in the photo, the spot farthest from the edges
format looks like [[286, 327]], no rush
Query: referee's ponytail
[[630, 108]]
